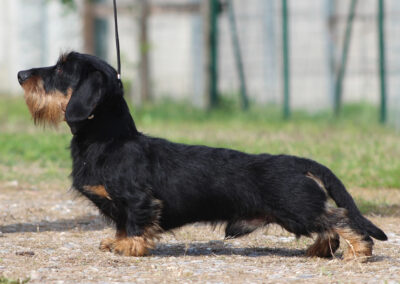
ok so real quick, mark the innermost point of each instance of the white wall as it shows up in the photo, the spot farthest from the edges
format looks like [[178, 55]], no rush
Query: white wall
[[33, 33]]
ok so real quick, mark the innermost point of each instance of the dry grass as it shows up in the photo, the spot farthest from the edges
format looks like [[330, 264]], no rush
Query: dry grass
[[51, 235]]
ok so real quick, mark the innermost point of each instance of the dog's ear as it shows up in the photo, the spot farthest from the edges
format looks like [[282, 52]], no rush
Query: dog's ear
[[85, 98]]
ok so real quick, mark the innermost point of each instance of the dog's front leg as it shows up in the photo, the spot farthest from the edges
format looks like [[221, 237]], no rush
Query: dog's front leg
[[137, 228]]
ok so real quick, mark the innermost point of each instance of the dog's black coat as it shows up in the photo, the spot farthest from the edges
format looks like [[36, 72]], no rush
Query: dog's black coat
[[193, 183]]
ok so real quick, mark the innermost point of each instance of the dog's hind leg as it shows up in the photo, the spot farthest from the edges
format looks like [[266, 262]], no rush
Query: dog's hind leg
[[359, 243], [336, 223], [325, 245], [359, 246], [328, 240]]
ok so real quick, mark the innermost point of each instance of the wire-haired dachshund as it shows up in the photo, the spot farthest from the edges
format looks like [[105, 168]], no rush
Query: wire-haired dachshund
[[148, 185]]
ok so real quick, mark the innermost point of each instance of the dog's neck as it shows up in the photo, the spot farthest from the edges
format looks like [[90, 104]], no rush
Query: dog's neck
[[113, 121]]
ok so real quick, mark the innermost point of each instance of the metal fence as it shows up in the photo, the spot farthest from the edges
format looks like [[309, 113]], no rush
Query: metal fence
[[317, 51], [167, 47]]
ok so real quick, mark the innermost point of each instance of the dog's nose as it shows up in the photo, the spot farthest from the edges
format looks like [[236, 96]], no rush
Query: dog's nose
[[23, 76]]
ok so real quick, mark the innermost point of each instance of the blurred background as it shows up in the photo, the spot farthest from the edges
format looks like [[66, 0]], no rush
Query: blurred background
[[314, 78], [311, 55]]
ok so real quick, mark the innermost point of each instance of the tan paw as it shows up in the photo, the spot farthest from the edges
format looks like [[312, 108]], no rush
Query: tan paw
[[132, 246], [107, 244]]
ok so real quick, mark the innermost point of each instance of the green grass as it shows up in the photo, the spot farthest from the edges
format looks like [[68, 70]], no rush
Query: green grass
[[359, 150], [47, 149], [377, 207], [4, 280]]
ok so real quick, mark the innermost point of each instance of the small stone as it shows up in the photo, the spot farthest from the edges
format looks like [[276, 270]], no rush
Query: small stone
[[305, 276], [25, 253]]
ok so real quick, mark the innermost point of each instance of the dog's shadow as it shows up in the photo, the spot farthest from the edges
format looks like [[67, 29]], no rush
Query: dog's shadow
[[83, 223], [220, 248], [162, 249]]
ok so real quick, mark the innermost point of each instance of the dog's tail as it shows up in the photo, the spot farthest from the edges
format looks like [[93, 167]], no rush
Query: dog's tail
[[336, 190]]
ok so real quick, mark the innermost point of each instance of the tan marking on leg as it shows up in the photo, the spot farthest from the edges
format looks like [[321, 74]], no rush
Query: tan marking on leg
[[324, 246], [357, 247], [45, 107], [336, 221], [98, 190]]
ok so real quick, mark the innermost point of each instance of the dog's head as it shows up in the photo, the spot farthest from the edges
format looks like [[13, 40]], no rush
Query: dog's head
[[73, 90]]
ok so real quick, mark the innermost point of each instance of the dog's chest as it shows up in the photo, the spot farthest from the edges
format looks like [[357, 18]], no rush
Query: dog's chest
[[110, 164], [89, 164]]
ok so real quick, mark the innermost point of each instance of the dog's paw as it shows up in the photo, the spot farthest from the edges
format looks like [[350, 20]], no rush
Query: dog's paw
[[350, 255], [107, 244], [132, 246]]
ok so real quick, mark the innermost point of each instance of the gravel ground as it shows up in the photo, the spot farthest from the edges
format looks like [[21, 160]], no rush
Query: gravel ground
[[52, 236]]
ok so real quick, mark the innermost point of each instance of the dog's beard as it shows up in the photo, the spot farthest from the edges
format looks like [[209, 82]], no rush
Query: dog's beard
[[45, 108]]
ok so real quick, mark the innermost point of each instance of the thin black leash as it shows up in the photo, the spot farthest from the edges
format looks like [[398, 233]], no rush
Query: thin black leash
[[117, 40]]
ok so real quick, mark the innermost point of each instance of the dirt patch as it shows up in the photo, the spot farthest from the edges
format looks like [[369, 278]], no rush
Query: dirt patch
[[53, 236]]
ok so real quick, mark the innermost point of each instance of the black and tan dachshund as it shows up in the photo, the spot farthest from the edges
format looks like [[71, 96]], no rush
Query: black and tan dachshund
[[148, 185]]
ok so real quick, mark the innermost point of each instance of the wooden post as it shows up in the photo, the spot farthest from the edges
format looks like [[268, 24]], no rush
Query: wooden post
[[210, 20], [238, 55], [205, 12], [88, 27], [144, 66]]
